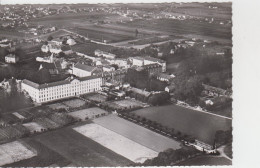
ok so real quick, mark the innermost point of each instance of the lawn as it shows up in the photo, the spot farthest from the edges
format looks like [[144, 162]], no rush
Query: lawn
[[14, 152], [74, 103], [117, 143], [205, 161], [79, 149], [200, 125], [57, 106], [128, 103], [88, 113], [137, 133], [95, 97], [44, 158]]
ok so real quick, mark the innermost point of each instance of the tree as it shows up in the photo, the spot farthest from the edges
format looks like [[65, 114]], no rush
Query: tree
[[136, 32], [49, 38], [159, 98], [188, 89]]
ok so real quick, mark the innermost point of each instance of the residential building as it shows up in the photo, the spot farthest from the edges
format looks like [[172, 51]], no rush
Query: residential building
[[41, 93], [164, 77], [71, 42], [108, 68], [66, 49], [11, 58], [82, 70], [104, 54], [57, 41], [141, 61]]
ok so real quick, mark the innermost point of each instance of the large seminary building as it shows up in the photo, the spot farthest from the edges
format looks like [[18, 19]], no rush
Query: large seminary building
[[69, 87]]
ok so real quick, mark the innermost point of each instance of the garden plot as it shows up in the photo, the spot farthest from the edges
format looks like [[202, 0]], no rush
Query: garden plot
[[74, 103], [57, 106], [16, 114], [88, 113], [96, 97], [33, 127], [117, 143], [128, 103], [14, 152]]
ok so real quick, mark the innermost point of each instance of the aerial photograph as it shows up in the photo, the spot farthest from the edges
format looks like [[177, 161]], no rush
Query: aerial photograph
[[116, 84]]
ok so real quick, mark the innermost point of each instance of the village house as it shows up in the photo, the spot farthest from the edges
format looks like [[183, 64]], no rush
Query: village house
[[11, 58], [71, 42], [164, 77], [82, 70], [141, 61], [108, 68], [66, 49]]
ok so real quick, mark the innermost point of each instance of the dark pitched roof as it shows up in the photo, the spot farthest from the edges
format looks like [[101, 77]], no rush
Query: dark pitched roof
[[154, 59], [48, 65]]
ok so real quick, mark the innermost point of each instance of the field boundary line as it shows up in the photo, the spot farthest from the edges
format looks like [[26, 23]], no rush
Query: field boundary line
[[128, 138], [206, 112]]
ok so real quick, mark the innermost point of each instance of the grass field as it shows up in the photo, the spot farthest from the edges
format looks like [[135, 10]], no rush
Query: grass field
[[14, 152], [79, 149], [95, 97], [184, 27], [45, 156], [117, 143], [205, 160], [128, 103], [57, 106], [200, 125], [74, 103], [88, 113], [137, 133]]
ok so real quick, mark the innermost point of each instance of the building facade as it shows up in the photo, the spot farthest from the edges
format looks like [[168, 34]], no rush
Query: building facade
[[11, 58], [41, 93]]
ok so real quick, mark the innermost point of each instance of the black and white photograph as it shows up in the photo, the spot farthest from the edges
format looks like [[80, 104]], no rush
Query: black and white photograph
[[116, 84]]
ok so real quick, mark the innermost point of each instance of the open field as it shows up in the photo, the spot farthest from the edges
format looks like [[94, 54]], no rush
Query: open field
[[74, 103], [137, 133], [128, 103], [96, 97], [79, 149], [89, 48], [57, 106], [202, 126], [88, 113], [102, 34], [183, 27], [205, 160], [14, 152], [117, 143], [45, 156]]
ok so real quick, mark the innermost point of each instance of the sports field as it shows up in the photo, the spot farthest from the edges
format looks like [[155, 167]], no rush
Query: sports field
[[200, 125], [137, 133], [117, 143], [14, 152]]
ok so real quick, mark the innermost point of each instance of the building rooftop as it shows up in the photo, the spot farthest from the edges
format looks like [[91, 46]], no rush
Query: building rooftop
[[62, 82], [154, 59], [85, 67]]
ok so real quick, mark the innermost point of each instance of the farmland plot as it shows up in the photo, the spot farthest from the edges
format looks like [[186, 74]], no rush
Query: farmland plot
[[117, 143], [137, 133], [14, 152]]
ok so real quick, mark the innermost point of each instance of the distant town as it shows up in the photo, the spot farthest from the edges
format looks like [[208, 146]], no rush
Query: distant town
[[116, 84]]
